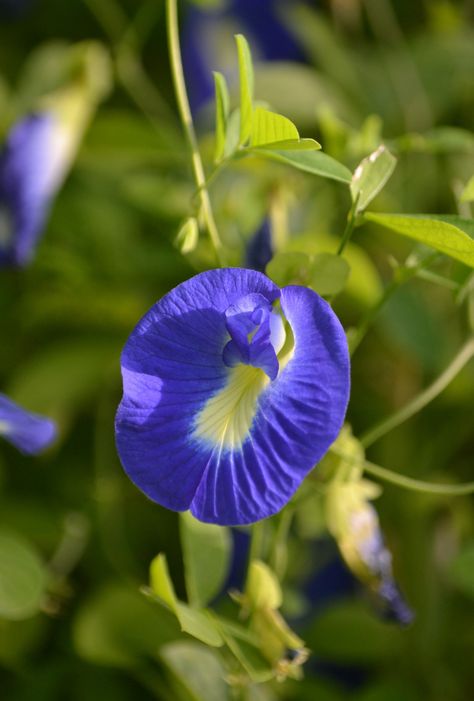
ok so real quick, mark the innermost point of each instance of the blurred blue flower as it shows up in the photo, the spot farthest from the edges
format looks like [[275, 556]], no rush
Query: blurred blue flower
[[28, 432], [233, 391], [262, 23], [259, 250], [32, 166], [11, 9]]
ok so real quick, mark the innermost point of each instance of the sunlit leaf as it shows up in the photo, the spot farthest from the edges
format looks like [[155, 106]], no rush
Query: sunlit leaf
[[222, 114], [246, 87], [23, 578], [160, 581], [206, 552], [263, 588], [313, 162], [192, 621], [370, 176], [187, 237], [441, 235], [269, 127]]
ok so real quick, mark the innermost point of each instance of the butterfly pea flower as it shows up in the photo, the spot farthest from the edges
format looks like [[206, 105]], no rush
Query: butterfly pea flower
[[40, 149], [233, 389], [28, 432]]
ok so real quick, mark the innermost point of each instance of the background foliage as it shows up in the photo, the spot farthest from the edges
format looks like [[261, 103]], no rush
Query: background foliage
[[76, 534]]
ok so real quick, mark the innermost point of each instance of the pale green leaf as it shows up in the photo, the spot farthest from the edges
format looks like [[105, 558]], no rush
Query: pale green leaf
[[160, 582], [222, 114], [246, 87], [467, 194], [314, 162], [232, 134], [370, 176], [187, 237], [444, 237], [263, 589], [198, 669], [206, 553], [23, 578], [198, 624], [269, 127], [192, 621]]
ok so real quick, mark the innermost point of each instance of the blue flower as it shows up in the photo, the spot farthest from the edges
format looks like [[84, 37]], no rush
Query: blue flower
[[28, 432], [32, 167], [233, 390], [259, 250]]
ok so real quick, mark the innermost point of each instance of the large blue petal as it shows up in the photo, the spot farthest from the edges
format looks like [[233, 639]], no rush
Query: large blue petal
[[30, 171], [28, 432], [172, 365]]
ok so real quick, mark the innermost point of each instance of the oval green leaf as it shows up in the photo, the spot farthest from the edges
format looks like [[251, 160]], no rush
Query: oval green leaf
[[432, 231], [23, 578]]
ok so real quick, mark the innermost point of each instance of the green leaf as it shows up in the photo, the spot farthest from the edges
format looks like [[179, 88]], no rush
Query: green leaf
[[467, 194], [199, 624], [192, 621], [187, 237], [329, 273], [263, 588], [197, 669], [313, 162], [325, 273], [23, 578], [246, 87], [118, 626], [222, 114], [370, 176], [292, 145], [206, 553], [269, 127], [428, 229], [462, 570], [249, 656], [160, 581]]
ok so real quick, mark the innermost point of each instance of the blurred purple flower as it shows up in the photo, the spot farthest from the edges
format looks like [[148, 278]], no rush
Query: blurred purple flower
[[259, 250], [28, 432], [32, 167], [233, 391]]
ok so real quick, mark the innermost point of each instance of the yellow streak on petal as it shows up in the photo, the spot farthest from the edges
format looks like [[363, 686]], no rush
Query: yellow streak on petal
[[227, 417]]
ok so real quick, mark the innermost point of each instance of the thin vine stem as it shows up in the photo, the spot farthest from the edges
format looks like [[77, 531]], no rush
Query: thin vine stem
[[351, 220], [188, 125], [410, 483], [422, 399]]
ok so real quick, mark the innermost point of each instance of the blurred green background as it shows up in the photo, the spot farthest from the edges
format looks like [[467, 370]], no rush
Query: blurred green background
[[365, 70]]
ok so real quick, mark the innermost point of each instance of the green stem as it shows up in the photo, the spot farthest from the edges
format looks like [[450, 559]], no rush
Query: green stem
[[351, 220], [187, 121], [407, 482], [359, 333], [455, 366]]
